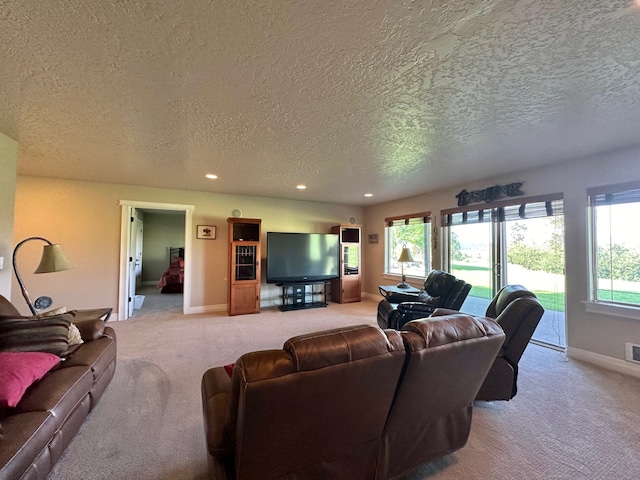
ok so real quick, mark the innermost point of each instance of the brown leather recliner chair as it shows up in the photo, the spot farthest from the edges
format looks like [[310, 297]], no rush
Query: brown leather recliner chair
[[354, 402], [447, 360], [518, 311], [441, 290], [315, 409]]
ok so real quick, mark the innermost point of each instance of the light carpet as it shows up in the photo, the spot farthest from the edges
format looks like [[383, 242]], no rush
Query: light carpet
[[569, 419]]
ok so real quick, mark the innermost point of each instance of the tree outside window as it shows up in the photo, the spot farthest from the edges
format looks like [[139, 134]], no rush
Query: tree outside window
[[412, 232], [615, 244]]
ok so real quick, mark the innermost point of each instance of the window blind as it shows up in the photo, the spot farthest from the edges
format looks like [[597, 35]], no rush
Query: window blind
[[506, 211], [413, 219], [614, 194]]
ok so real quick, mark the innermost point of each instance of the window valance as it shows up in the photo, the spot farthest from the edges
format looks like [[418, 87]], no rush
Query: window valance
[[413, 219], [522, 208]]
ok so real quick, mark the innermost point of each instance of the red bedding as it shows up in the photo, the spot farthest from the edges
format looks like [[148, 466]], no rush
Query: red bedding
[[173, 277]]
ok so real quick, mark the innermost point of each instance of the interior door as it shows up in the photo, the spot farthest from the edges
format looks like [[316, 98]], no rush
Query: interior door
[[138, 231], [134, 256]]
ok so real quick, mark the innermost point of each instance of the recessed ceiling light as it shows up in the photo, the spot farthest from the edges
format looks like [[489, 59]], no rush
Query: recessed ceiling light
[[301, 187], [211, 176], [368, 194]]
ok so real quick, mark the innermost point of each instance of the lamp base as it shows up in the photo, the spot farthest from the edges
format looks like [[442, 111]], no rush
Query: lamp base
[[403, 283]]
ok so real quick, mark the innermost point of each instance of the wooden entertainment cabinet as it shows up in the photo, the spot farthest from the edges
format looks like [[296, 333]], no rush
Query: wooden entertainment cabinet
[[347, 287], [244, 266]]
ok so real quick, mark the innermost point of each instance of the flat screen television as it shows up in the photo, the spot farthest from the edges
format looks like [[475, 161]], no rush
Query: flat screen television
[[302, 257]]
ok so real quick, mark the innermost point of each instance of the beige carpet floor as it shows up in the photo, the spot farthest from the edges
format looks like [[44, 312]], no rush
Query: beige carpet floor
[[569, 420]]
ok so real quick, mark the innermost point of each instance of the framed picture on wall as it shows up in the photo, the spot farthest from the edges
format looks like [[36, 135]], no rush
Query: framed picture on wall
[[373, 238], [206, 232]]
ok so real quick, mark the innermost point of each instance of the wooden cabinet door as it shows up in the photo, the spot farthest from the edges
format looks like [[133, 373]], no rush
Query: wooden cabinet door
[[350, 290], [245, 298], [245, 262]]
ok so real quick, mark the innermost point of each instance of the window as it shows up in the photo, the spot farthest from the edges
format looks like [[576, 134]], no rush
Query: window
[[615, 244], [411, 231]]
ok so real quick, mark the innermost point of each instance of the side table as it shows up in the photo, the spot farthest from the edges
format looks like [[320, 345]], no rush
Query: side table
[[91, 314], [388, 290]]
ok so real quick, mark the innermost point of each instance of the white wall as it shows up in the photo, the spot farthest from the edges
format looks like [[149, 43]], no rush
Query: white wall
[[84, 217], [8, 167], [600, 334]]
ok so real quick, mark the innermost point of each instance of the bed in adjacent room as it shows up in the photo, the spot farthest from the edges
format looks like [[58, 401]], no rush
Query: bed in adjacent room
[[172, 280]]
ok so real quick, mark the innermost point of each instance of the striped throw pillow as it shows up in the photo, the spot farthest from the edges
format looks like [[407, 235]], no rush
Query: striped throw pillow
[[48, 334]]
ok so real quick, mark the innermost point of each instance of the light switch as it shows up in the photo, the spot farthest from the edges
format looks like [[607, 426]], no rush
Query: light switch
[[1, 263]]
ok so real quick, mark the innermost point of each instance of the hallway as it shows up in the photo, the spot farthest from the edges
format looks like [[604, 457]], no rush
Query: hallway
[[156, 302]]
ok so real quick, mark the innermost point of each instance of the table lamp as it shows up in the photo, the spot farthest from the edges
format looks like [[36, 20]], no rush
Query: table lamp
[[405, 256], [53, 260]]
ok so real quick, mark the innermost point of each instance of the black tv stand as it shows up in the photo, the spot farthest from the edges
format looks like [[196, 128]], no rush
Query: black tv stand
[[299, 296]]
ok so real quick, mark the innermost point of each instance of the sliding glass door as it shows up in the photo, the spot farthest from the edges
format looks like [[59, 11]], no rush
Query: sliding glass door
[[511, 243], [472, 260], [534, 251]]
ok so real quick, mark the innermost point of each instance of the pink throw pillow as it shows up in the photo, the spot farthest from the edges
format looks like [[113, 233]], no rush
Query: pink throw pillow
[[20, 370]]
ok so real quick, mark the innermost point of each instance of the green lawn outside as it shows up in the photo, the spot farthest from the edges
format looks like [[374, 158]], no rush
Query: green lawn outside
[[632, 298], [549, 300]]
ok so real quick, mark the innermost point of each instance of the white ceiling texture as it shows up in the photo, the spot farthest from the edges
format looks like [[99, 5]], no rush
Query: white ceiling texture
[[393, 98]]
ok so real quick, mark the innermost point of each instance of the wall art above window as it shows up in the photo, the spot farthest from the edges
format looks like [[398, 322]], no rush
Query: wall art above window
[[489, 194]]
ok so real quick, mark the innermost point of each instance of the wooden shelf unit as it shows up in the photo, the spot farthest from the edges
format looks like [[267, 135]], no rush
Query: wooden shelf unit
[[244, 266], [347, 288]]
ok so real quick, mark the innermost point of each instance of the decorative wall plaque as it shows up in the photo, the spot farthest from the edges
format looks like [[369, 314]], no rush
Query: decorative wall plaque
[[490, 194]]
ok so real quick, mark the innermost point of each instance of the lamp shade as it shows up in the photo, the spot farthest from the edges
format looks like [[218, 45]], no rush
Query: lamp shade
[[405, 255], [53, 260]]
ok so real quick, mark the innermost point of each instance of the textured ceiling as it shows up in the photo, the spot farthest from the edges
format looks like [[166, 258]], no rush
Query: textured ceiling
[[348, 97]]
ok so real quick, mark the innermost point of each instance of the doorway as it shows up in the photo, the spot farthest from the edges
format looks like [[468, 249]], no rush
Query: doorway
[[131, 233]]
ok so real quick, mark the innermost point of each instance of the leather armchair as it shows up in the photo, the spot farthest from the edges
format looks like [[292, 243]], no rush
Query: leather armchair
[[518, 311], [447, 359], [315, 409], [441, 290], [355, 403]]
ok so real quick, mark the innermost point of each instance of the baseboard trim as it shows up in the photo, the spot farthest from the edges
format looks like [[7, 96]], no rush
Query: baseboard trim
[[615, 364], [208, 308], [372, 296]]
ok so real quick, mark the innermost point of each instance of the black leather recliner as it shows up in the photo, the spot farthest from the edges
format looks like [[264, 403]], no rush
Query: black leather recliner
[[441, 290], [518, 311]]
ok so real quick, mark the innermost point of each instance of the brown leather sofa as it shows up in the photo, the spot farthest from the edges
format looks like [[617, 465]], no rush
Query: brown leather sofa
[[37, 430], [355, 402], [518, 311], [440, 290]]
